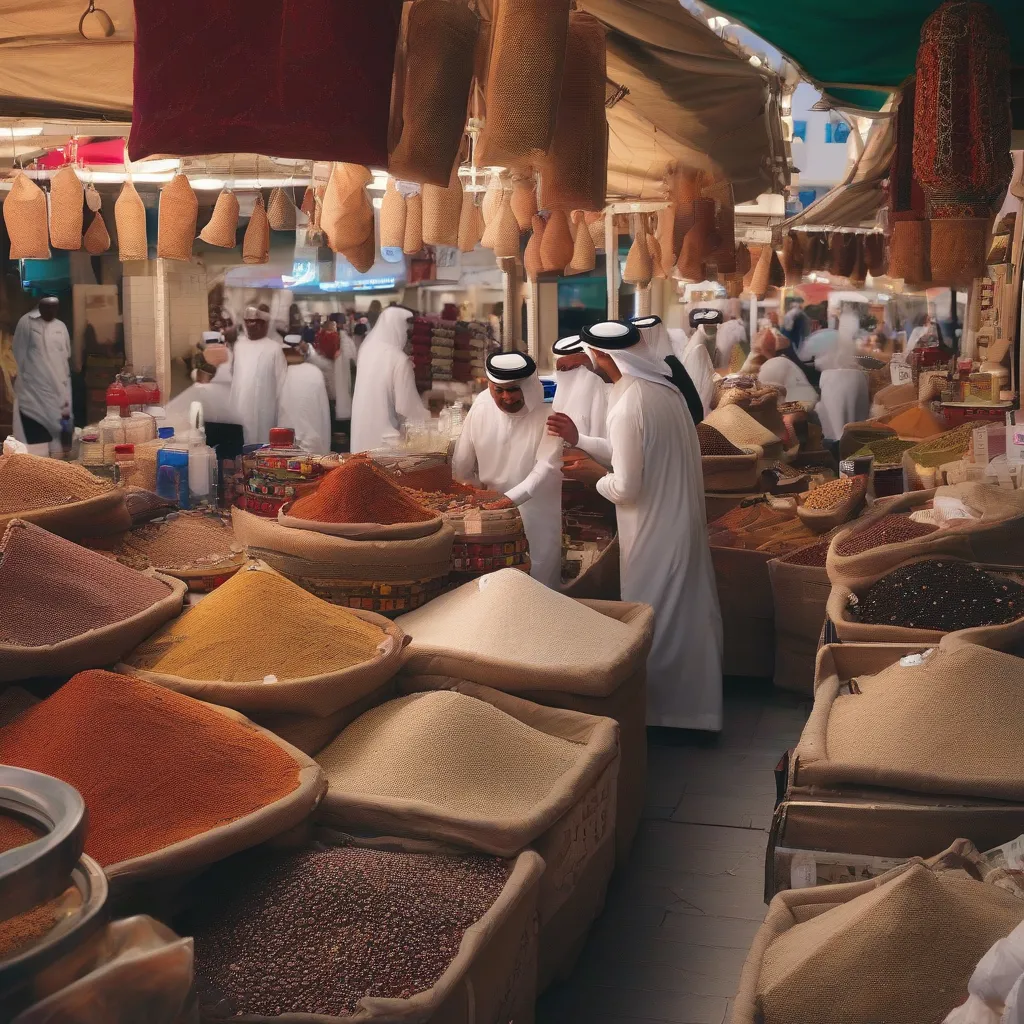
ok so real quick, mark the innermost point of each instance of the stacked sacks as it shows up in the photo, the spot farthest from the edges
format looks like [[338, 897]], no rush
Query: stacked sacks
[[743, 430], [726, 467], [471, 340], [442, 349], [421, 336]]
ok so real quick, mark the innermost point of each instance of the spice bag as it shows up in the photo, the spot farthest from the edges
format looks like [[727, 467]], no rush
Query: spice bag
[[524, 80], [347, 214], [821, 520], [574, 172], [532, 261], [842, 253], [490, 772], [440, 40], [793, 258], [799, 596], [256, 240], [469, 632], [108, 608], [388, 577], [490, 208], [320, 694], [392, 217], [493, 977], [748, 617], [442, 208], [505, 236], [904, 944], [699, 242], [171, 784], [96, 239], [363, 255], [66, 212], [176, 225], [281, 211], [130, 219], [222, 227], [413, 239], [584, 256], [25, 220]]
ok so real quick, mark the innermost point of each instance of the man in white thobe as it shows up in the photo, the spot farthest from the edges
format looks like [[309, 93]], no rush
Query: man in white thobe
[[304, 405], [504, 447], [579, 392], [212, 387], [385, 394], [661, 348], [695, 354], [258, 376], [730, 334], [657, 487], [42, 388]]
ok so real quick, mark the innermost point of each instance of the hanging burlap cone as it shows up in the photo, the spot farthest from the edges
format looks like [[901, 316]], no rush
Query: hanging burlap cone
[[654, 248], [97, 239], [584, 258], [222, 227], [595, 225], [256, 240], [723, 256], [413, 241], [308, 202], [698, 242], [733, 285], [524, 80], [776, 275], [471, 224], [860, 262], [93, 200], [531, 257], [666, 242], [346, 217], [875, 254], [25, 218], [362, 256], [638, 269], [908, 252], [506, 231], [842, 253], [524, 201], [66, 195], [491, 209], [130, 218], [743, 260], [557, 247], [281, 211], [442, 209], [793, 258], [392, 217], [176, 222], [683, 185], [759, 274]]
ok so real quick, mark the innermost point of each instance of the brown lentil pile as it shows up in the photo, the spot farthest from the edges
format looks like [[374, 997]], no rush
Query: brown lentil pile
[[814, 555], [831, 494], [941, 595], [714, 442], [751, 517], [316, 931], [889, 529]]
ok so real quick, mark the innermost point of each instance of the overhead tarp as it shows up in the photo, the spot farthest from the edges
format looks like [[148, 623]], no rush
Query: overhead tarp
[[857, 52]]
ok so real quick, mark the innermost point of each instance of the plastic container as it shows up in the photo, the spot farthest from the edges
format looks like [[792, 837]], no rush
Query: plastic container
[[202, 460], [124, 464], [172, 476]]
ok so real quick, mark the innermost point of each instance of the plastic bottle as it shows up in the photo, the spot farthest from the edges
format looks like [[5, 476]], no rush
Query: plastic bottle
[[112, 428], [172, 476], [124, 464], [202, 460], [141, 426]]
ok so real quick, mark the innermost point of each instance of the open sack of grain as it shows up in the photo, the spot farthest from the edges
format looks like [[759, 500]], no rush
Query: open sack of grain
[[64, 608], [490, 772], [385, 930], [926, 597], [61, 497], [833, 503], [726, 466], [509, 632], [170, 784], [743, 430], [389, 577], [901, 947], [922, 463]]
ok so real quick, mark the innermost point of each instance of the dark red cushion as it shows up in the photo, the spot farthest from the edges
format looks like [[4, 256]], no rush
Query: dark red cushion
[[309, 79]]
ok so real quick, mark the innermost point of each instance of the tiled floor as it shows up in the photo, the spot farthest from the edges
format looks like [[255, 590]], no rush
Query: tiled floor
[[672, 940]]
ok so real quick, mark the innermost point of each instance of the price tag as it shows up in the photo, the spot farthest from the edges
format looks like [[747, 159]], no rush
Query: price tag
[[900, 373], [1013, 851], [803, 871]]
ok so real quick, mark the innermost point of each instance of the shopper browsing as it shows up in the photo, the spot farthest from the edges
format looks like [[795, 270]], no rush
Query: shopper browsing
[[304, 405]]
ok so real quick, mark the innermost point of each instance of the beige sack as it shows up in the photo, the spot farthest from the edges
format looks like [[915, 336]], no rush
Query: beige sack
[[490, 210], [25, 220], [471, 224], [654, 248], [362, 256], [66, 197], [281, 211], [532, 260], [347, 213], [130, 218], [222, 227], [666, 239], [556, 247], [256, 240], [392, 217], [524, 201], [639, 267], [505, 237], [723, 256], [699, 242], [799, 594], [584, 257], [413, 240], [96, 239], [442, 210], [176, 224]]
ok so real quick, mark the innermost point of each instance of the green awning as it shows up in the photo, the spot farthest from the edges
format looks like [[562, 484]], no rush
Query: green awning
[[845, 47]]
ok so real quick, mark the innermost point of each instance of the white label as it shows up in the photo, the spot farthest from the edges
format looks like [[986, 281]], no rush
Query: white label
[[913, 660], [803, 871], [952, 508], [979, 438], [1013, 851], [900, 373]]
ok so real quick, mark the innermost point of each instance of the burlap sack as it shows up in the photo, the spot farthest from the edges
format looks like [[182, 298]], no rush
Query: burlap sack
[[731, 472], [876, 254], [760, 272], [66, 198], [909, 247], [799, 596], [347, 213], [492, 978], [556, 247], [524, 200], [666, 238], [281, 211], [392, 217], [256, 240], [748, 618], [723, 256], [490, 210], [96, 239], [532, 261], [572, 827], [413, 239], [440, 42], [360, 531], [442, 208], [584, 256], [821, 520], [222, 227], [100, 516], [879, 936], [574, 172], [130, 219], [958, 251], [860, 262], [363, 255], [793, 258], [613, 690], [699, 242], [524, 80], [26, 221], [505, 237], [639, 268], [743, 430], [654, 248], [176, 223], [471, 224], [842, 253]]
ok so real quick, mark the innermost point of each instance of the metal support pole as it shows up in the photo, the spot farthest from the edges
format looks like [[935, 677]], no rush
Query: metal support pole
[[611, 263]]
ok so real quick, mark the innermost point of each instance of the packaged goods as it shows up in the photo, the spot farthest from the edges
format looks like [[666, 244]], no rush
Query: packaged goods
[[278, 473], [891, 528]]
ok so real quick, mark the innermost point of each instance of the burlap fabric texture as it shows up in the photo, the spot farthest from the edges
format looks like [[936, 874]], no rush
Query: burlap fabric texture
[[556, 247], [222, 227], [471, 224], [96, 239], [66, 210], [130, 220], [281, 211], [532, 261], [392, 217], [524, 200], [799, 594], [442, 209], [412, 241], [26, 221], [101, 516], [584, 256], [256, 240], [347, 214], [176, 224]]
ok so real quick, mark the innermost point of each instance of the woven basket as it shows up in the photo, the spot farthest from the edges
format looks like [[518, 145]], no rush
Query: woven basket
[[442, 208], [347, 213], [439, 51], [584, 257], [639, 268], [130, 219], [821, 520], [66, 198], [524, 201], [25, 220], [556, 247], [524, 80], [413, 240], [532, 261], [505, 237], [958, 251], [222, 227], [281, 211], [96, 239], [256, 240], [471, 224], [176, 224], [392, 217], [574, 173], [909, 251]]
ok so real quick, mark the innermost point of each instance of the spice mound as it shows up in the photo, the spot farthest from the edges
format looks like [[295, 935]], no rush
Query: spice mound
[[449, 750], [833, 494], [359, 491], [714, 442], [153, 766], [28, 482], [888, 451], [189, 540], [289, 633], [454, 499], [917, 423], [53, 590], [941, 595], [814, 555], [317, 931], [889, 529]]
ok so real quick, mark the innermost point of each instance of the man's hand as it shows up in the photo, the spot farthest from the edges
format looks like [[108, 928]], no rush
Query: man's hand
[[501, 503], [585, 470], [560, 425], [570, 362]]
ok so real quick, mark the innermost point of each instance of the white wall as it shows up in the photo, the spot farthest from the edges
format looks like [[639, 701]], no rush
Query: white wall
[[821, 163]]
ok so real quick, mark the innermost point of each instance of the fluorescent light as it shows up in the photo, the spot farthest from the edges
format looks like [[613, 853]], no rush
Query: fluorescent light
[[157, 166], [207, 184], [22, 131]]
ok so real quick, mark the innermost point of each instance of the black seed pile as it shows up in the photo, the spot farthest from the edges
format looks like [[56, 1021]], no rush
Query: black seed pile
[[941, 595], [316, 931]]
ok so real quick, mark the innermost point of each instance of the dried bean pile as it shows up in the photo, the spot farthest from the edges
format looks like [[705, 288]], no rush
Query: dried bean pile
[[889, 529], [814, 555], [316, 931], [941, 595], [887, 452], [832, 494], [714, 442]]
